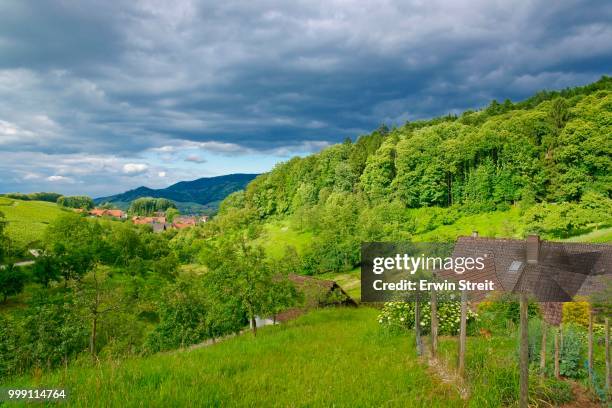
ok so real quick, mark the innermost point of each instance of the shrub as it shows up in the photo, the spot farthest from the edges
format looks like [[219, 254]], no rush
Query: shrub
[[12, 280], [401, 315], [572, 352], [83, 202], [10, 346], [576, 313]]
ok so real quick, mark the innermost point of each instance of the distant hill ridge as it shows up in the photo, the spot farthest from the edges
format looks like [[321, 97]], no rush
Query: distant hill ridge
[[205, 192]]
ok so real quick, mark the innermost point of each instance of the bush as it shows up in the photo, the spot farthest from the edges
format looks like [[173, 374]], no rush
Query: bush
[[572, 352], [10, 346], [506, 308], [53, 329], [12, 280], [183, 319], [576, 313], [83, 202], [401, 315]]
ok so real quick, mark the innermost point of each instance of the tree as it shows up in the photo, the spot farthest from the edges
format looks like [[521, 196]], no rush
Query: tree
[[97, 297], [83, 202], [46, 269], [559, 112], [241, 272], [75, 243], [171, 213], [150, 205], [12, 280]]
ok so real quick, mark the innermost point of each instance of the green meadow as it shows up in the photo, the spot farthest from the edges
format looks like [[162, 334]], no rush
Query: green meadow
[[27, 220], [331, 357]]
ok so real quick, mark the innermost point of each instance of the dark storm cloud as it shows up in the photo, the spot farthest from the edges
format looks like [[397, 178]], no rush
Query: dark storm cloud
[[116, 79]]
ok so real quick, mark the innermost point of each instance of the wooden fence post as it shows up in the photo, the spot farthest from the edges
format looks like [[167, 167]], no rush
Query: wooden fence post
[[434, 324], [557, 351], [607, 336], [590, 357], [524, 353], [543, 348], [462, 334], [417, 327]]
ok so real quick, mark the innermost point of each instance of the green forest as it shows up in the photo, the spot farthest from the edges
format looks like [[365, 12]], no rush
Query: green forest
[[105, 290]]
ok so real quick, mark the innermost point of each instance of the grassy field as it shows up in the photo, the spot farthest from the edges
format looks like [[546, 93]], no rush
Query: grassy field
[[603, 236], [328, 357], [279, 234], [490, 224], [27, 220]]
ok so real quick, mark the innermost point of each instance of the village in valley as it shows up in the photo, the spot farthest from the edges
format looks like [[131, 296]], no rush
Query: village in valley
[[159, 221]]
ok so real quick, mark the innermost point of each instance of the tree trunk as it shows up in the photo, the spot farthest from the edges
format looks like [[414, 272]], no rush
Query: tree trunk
[[434, 324], [543, 348], [254, 324], [607, 336], [417, 327], [92, 338], [462, 334], [524, 354], [590, 355], [557, 352]]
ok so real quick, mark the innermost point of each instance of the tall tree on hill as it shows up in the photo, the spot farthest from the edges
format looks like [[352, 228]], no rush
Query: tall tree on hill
[[240, 271], [76, 243]]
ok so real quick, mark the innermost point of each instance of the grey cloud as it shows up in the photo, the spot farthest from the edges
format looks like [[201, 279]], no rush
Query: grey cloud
[[101, 79]]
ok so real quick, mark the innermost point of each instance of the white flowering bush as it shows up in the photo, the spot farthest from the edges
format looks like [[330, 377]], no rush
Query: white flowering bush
[[401, 315]]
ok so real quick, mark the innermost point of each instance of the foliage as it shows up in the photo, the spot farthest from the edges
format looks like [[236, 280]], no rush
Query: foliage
[[4, 239], [401, 315], [506, 308], [576, 313], [310, 362], [240, 272], [183, 318], [12, 280], [150, 206], [46, 270], [572, 352], [50, 197], [171, 213], [53, 331], [83, 202], [26, 221]]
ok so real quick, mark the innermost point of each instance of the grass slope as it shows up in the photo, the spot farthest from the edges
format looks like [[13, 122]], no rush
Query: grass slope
[[328, 357], [27, 220]]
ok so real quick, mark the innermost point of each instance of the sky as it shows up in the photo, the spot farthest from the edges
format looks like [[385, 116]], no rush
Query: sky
[[97, 97]]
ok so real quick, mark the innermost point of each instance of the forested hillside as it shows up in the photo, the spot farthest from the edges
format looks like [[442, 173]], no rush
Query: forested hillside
[[548, 159], [555, 150]]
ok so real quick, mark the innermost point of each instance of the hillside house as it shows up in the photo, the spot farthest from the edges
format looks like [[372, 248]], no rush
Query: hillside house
[[100, 212], [552, 272], [184, 222], [317, 293]]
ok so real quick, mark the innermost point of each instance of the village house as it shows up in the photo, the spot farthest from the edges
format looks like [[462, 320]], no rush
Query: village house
[[101, 212], [184, 222], [550, 272], [317, 293]]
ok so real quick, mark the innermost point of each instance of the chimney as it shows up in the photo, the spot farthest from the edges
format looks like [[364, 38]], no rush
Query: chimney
[[533, 249], [474, 234]]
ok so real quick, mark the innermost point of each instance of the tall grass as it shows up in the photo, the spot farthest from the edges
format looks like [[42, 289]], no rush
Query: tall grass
[[334, 357]]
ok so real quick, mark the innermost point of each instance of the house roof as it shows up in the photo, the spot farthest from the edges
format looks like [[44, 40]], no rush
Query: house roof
[[314, 292], [561, 271]]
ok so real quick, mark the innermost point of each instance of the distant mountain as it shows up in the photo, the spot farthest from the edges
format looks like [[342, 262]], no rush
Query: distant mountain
[[203, 194]]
